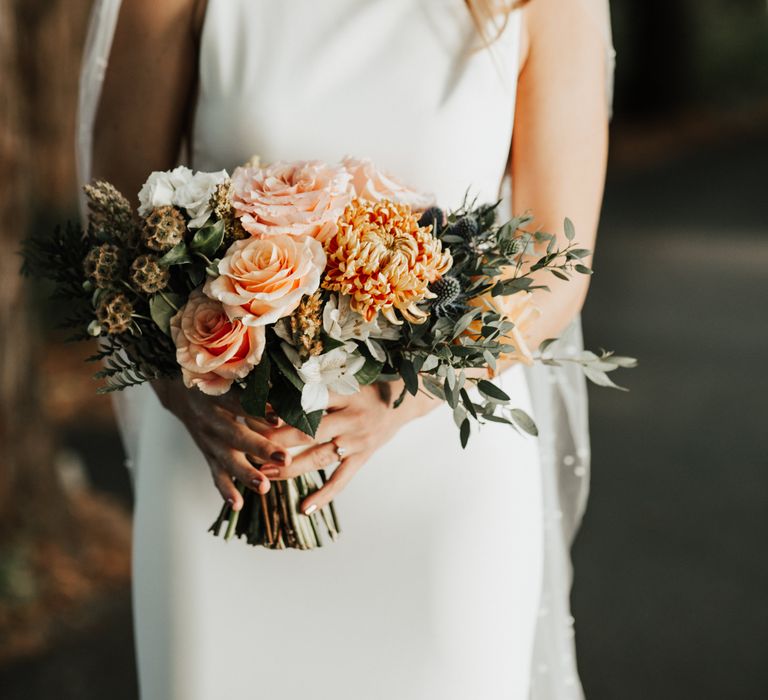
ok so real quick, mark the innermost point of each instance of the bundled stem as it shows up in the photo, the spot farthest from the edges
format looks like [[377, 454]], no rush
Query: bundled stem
[[273, 519]]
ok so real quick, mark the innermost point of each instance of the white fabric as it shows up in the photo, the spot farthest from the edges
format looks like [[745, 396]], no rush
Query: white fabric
[[459, 554]]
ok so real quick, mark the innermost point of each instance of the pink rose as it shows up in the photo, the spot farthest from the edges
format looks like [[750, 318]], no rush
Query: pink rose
[[294, 198], [263, 279], [212, 350], [374, 185]]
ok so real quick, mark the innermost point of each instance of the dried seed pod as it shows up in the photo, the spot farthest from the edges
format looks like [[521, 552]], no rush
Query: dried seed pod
[[102, 264], [164, 228], [114, 313], [147, 275]]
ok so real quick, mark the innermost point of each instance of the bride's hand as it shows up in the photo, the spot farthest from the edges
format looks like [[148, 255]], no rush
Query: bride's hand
[[353, 429], [226, 442]]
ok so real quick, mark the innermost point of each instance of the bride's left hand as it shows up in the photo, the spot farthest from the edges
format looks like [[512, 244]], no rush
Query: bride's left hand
[[352, 430]]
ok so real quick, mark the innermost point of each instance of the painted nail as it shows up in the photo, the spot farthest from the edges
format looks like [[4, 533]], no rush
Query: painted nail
[[278, 457], [270, 471], [311, 509], [255, 482]]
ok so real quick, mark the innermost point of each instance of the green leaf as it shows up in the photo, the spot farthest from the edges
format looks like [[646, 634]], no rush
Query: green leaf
[[178, 255], [560, 275], [286, 367], [208, 239], [254, 398], [196, 275], [524, 421], [433, 386], [285, 398], [570, 231], [579, 253], [369, 372], [583, 269], [329, 343], [411, 379], [490, 390], [464, 432], [162, 307], [468, 403], [546, 343]]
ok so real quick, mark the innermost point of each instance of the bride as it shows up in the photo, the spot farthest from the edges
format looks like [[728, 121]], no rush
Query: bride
[[451, 577]]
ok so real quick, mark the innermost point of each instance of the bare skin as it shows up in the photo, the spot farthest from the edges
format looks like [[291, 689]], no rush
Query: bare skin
[[557, 163]]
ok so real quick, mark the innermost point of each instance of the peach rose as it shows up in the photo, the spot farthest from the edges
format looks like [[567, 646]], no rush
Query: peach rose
[[374, 185], [263, 279], [212, 350], [294, 198]]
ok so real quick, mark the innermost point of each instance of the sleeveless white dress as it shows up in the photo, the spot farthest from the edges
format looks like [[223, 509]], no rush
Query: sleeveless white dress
[[432, 589]]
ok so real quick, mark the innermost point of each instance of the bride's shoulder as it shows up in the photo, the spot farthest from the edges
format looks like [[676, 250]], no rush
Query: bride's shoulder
[[562, 30]]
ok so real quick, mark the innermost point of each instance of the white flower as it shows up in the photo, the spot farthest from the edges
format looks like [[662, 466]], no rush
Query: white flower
[[160, 187], [195, 194], [332, 371], [341, 322], [183, 188]]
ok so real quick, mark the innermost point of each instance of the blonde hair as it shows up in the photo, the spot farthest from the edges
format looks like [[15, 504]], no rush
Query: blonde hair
[[493, 14]]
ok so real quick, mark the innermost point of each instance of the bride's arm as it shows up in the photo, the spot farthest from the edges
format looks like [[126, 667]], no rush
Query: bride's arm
[[560, 141], [144, 112], [558, 168]]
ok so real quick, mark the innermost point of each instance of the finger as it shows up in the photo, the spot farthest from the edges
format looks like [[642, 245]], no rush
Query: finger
[[317, 457], [225, 486], [337, 423], [289, 436], [341, 476], [236, 464], [242, 438]]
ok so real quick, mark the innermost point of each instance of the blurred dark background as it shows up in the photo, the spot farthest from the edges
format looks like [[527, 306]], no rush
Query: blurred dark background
[[671, 584]]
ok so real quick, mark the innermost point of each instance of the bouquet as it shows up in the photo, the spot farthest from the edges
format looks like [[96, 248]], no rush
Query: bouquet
[[288, 281]]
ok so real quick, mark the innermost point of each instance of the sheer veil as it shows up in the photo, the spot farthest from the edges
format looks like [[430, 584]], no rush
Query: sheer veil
[[559, 398]]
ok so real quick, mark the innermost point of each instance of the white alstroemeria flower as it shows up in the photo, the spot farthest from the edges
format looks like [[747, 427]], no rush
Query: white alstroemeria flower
[[195, 194], [343, 323], [332, 371]]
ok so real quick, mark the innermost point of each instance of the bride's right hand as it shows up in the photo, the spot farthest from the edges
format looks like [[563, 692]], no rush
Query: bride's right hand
[[226, 442]]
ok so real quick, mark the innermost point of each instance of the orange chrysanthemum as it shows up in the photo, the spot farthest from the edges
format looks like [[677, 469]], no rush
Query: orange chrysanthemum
[[384, 260]]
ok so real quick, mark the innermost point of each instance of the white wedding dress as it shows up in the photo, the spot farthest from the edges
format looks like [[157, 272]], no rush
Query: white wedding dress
[[435, 588]]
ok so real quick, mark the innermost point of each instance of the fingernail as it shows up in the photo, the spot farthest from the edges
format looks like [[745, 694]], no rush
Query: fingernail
[[270, 471], [231, 502], [255, 482], [278, 457], [310, 509], [273, 418]]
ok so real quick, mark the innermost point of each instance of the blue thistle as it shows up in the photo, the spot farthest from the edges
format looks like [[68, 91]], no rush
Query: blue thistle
[[448, 294], [433, 216]]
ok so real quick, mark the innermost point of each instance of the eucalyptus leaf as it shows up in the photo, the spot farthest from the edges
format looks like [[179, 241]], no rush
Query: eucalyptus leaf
[[524, 421], [464, 431], [490, 390], [570, 231]]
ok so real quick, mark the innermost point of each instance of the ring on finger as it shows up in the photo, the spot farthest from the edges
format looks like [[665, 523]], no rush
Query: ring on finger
[[341, 452]]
